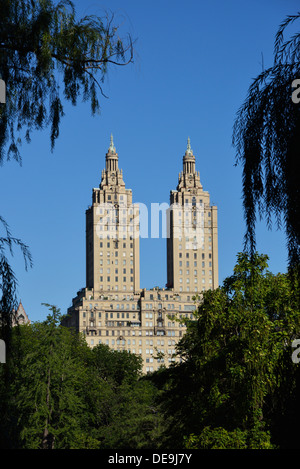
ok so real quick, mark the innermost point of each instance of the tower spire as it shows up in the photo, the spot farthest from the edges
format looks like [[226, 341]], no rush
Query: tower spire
[[111, 157], [189, 151], [112, 148], [189, 159]]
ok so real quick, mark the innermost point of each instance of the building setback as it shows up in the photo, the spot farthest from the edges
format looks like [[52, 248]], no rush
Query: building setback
[[112, 309]]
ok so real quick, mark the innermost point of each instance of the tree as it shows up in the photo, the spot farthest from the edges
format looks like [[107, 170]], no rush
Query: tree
[[8, 307], [62, 394], [46, 54], [125, 405], [8, 282], [237, 379], [39, 41], [266, 135], [45, 401]]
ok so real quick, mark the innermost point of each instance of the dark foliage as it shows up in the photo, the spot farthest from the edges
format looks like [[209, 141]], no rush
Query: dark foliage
[[47, 55], [267, 139]]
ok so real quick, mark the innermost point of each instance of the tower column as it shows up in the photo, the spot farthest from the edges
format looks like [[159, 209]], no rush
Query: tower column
[[192, 247]]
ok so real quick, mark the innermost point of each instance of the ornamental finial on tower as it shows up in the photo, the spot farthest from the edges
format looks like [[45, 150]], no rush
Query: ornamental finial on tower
[[112, 148], [189, 151]]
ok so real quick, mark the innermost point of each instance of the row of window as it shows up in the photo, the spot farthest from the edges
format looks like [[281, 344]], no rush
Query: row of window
[[132, 332], [114, 227], [148, 315], [114, 219], [138, 342], [187, 280], [160, 297], [114, 237], [195, 273], [111, 254], [124, 342], [108, 245], [169, 307], [166, 297], [116, 279], [150, 369], [195, 246], [109, 210], [134, 323], [195, 262], [111, 315], [116, 262], [116, 270]]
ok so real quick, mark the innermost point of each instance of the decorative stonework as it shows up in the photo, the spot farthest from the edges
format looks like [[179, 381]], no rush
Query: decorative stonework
[[112, 309], [20, 316]]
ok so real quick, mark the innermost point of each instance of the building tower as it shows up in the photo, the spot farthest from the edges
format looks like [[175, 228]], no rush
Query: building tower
[[112, 309], [192, 242], [112, 233]]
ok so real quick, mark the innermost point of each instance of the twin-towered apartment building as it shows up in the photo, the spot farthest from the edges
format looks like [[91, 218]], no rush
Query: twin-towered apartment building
[[112, 309]]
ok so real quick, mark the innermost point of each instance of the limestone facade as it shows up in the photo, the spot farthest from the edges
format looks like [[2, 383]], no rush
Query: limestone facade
[[112, 309]]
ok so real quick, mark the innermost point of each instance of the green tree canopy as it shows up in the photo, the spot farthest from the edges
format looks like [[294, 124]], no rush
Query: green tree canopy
[[237, 378], [62, 394]]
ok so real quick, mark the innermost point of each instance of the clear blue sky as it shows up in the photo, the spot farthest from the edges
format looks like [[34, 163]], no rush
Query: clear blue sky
[[194, 61]]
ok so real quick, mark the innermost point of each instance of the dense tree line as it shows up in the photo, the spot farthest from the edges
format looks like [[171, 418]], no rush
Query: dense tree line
[[64, 395], [236, 385]]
